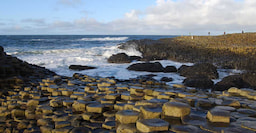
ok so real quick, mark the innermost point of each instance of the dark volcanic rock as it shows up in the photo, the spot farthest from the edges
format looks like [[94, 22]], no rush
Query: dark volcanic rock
[[119, 58], [148, 67], [205, 69], [250, 78], [135, 58], [2, 53], [13, 69], [202, 82], [80, 67], [166, 79], [231, 81], [150, 49], [168, 69]]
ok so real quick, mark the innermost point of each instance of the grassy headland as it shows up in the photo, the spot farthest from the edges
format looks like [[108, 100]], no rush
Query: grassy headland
[[229, 51]]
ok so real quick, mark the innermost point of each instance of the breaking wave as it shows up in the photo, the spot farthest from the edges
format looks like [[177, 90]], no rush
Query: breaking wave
[[105, 39]]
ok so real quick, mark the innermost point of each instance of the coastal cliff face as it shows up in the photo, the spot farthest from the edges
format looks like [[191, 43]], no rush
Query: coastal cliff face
[[224, 51], [14, 71]]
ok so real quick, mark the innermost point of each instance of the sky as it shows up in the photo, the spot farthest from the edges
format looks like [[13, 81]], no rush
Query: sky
[[126, 17]]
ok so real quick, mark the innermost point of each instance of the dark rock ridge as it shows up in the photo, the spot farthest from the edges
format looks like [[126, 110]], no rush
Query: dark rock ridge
[[80, 67], [15, 71], [148, 67], [122, 58], [152, 67], [150, 49], [202, 69]]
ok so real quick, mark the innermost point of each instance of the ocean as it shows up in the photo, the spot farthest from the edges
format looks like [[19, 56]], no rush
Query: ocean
[[58, 52]]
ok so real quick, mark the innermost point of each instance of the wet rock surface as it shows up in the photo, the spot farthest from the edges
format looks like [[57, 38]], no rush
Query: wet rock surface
[[202, 82], [80, 67], [95, 104], [200, 69], [148, 67], [16, 73], [122, 58]]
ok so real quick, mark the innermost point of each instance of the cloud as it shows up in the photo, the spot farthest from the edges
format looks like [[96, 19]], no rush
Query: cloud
[[165, 17], [180, 17]]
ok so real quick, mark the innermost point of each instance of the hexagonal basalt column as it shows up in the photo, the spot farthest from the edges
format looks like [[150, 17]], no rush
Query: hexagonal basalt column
[[176, 109], [218, 115], [127, 116], [152, 125]]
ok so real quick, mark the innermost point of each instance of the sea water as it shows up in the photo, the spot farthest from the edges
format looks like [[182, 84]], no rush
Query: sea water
[[58, 52]]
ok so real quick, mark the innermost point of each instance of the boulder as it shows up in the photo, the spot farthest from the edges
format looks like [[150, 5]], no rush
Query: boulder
[[202, 82], [169, 69], [231, 81], [119, 58], [148, 67], [80, 67], [205, 69]]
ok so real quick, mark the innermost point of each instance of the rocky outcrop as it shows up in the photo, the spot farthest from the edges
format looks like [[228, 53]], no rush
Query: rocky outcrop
[[231, 81], [201, 82], [122, 58], [148, 67], [246, 80], [250, 78], [169, 69], [2, 53], [200, 69], [15, 71], [150, 49], [119, 58], [166, 79], [80, 67]]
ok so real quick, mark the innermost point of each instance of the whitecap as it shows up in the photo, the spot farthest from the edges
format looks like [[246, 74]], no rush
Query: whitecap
[[105, 39]]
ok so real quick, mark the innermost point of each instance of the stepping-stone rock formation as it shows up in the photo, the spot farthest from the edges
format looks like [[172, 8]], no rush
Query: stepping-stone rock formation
[[152, 125], [93, 104], [176, 109]]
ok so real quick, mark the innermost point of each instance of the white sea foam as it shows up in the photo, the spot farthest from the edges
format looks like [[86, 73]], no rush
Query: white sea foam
[[105, 39]]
